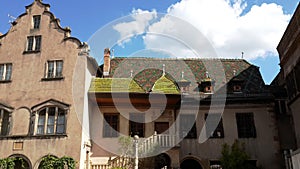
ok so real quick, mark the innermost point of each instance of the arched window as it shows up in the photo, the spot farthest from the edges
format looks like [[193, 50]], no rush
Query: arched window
[[51, 120], [4, 122]]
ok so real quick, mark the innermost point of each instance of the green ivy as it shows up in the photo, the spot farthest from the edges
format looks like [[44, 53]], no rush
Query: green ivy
[[7, 163], [51, 162]]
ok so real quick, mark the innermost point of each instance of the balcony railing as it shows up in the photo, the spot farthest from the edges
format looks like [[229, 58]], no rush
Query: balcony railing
[[156, 141]]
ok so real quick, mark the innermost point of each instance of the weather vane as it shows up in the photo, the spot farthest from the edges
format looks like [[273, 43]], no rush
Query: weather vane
[[12, 19]]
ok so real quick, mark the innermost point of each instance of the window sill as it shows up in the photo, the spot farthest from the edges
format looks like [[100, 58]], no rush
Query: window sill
[[30, 52], [7, 137], [5, 81], [48, 136], [53, 79]]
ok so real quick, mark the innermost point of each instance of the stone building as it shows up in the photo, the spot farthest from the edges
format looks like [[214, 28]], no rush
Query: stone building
[[40, 112], [289, 81], [178, 104], [184, 109]]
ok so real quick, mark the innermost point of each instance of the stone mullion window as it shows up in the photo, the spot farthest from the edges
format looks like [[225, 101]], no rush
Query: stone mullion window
[[188, 127], [246, 125], [137, 124], [111, 125], [50, 120], [214, 131], [34, 43], [54, 69], [36, 21], [5, 71]]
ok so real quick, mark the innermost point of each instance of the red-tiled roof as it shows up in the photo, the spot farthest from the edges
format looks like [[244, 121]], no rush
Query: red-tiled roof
[[147, 71]]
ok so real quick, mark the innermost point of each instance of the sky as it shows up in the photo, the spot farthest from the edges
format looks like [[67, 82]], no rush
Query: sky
[[214, 28]]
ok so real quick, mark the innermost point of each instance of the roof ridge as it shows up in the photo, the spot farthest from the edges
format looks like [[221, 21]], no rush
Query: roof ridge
[[149, 58]]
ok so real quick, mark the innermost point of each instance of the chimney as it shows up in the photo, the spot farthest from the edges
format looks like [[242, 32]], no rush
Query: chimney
[[106, 64]]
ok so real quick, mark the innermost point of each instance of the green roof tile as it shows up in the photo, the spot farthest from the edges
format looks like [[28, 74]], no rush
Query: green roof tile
[[165, 85], [105, 85]]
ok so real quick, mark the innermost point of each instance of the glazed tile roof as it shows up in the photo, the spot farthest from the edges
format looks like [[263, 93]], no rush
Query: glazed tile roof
[[165, 85], [104, 85], [146, 71]]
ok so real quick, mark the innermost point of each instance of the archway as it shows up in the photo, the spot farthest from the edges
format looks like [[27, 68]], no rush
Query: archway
[[21, 162], [162, 161], [190, 164], [46, 159]]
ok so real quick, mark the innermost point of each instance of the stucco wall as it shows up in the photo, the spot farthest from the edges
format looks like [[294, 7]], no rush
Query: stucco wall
[[27, 87]]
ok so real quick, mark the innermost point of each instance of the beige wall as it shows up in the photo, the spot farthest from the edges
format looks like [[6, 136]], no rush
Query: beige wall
[[264, 148], [27, 88]]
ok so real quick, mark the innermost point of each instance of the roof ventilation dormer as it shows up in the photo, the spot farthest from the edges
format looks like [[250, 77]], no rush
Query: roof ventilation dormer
[[207, 84], [183, 84]]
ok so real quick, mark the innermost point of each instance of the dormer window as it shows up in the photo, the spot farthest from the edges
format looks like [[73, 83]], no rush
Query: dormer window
[[237, 88], [183, 84], [208, 89], [206, 86], [36, 21]]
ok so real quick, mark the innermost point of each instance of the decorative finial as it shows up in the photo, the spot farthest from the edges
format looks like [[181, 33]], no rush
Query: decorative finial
[[164, 69], [206, 74], [182, 75], [131, 73], [242, 55]]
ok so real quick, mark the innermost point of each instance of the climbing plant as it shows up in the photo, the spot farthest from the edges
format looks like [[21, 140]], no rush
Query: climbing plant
[[51, 162], [7, 163]]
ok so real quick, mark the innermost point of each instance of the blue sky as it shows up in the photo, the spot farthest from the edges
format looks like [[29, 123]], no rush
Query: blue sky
[[231, 26]]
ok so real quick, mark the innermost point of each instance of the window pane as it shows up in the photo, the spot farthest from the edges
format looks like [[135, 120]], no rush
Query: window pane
[[60, 128], [212, 130], [136, 125], [51, 119], [41, 122], [111, 125], [5, 123], [61, 119], [36, 21], [59, 67], [38, 43], [50, 129], [245, 124], [186, 130], [40, 130], [29, 43], [8, 71], [1, 72], [50, 69]]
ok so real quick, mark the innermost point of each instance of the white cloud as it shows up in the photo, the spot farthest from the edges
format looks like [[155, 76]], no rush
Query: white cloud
[[224, 23], [130, 29]]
